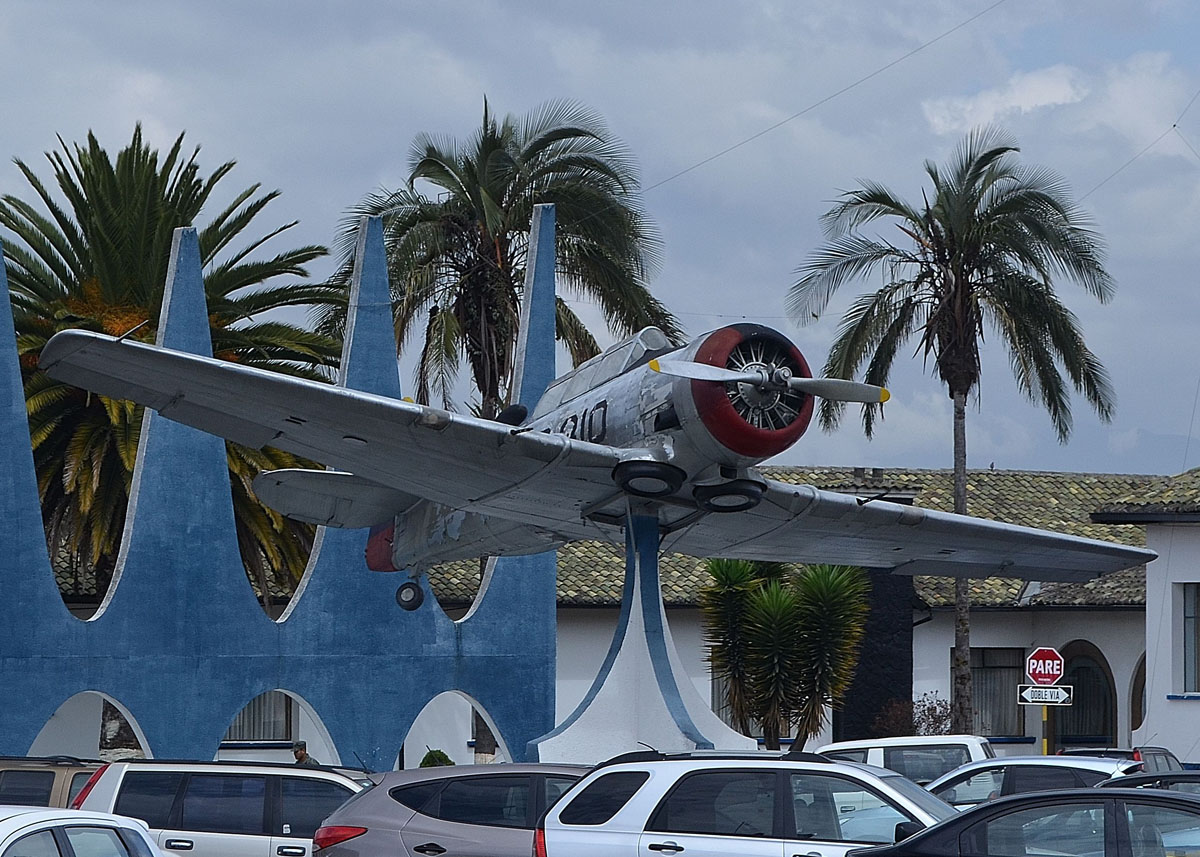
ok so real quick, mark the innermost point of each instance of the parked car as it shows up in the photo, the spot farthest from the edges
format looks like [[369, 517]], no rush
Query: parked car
[[38, 832], [43, 780], [1176, 781], [462, 810], [978, 782], [1153, 759], [744, 804], [1110, 822], [218, 809], [921, 758]]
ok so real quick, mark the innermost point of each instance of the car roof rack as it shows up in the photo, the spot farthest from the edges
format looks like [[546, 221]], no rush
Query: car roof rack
[[636, 756], [138, 760], [53, 760]]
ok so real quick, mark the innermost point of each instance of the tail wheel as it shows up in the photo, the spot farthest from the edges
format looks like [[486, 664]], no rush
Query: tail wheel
[[648, 478], [736, 495], [410, 595]]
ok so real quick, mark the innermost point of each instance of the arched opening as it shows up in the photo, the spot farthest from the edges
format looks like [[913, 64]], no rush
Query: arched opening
[[1091, 719], [1137, 697], [457, 725], [91, 725], [268, 726]]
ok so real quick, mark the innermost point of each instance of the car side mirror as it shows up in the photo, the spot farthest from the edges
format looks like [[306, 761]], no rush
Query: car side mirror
[[905, 829]]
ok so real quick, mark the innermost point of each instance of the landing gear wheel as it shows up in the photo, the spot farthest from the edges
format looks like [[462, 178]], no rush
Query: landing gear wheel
[[648, 478], [410, 595], [736, 495]]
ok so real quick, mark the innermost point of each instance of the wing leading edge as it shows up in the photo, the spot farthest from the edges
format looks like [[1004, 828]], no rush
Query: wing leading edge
[[399, 450]]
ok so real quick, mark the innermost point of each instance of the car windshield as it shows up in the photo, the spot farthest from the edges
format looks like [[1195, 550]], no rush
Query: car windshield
[[931, 804]]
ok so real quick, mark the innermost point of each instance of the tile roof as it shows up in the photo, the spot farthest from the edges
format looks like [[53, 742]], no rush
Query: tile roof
[[1165, 496], [591, 573]]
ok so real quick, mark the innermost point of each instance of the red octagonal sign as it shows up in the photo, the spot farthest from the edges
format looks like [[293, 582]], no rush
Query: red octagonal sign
[[1044, 665]]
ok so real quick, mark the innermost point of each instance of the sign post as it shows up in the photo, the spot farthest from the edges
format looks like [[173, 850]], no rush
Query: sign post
[[1044, 666]]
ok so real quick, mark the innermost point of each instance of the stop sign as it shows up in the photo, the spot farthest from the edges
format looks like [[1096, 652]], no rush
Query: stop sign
[[1044, 665]]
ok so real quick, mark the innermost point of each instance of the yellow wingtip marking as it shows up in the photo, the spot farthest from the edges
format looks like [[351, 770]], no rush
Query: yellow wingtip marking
[[884, 395]]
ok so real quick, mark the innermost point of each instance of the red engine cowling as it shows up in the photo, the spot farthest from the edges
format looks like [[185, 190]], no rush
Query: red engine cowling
[[751, 423]]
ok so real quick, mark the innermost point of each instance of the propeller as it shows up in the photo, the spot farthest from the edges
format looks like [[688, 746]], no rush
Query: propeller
[[835, 389]]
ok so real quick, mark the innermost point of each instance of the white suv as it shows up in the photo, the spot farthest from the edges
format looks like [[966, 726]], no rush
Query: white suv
[[752, 804], [223, 809], [921, 758]]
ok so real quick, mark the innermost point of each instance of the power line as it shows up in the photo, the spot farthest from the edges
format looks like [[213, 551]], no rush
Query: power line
[[827, 98]]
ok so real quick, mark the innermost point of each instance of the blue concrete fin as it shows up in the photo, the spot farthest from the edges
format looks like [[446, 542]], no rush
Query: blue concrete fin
[[534, 368], [369, 350], [26, 578], [180, 504]]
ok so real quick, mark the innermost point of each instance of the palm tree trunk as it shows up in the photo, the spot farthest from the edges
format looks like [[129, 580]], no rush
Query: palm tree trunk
[[962, 708]]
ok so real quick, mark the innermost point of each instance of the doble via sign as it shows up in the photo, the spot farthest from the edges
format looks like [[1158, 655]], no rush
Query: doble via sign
[[1044, 665]]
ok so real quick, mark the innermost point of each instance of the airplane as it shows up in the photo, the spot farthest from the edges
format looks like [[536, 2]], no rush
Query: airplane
[[644, 426]]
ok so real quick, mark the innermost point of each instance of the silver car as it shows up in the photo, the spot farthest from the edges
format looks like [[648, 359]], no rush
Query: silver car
[[979, 782], [464, 811]]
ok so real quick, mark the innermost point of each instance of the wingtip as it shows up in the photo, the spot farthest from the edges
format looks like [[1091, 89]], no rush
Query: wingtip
[[884, 395]]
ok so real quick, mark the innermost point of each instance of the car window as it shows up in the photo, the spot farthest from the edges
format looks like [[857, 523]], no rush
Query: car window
[[136, 843], [603, 797], [834, 809], [1155, 831], [78, 781], [224, 803], [416, 796], [95, 842], [497, 801], [847, 755], [26, 788], [148, 795], [555, 787], [1036, 778], [925, 764], [721, 803], [40, 844], [1090, 778], [1066, 830], [306, 802], [975, 787]]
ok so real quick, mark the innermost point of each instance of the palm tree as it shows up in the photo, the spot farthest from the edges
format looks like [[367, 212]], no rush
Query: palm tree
[[457, 261], [784, 642], [982, 249], [100, 263]]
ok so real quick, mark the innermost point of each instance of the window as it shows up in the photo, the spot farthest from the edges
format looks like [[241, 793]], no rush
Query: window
[[1152, 829], [1066, 830], [306, 803], [721, 803], [223, 803], [603, 797], [500, 801], [1191, 637], [1036, 778], [554, 788], [26, 788], [95, 842], [847, 755], [416, 796], [148, 795], [267, 717], [925, 764], [1090, 719], [995, 674], [40, 844], [834, 809], [973, 788], [78, 781]]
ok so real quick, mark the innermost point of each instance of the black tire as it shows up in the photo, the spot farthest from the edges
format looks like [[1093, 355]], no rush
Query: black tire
[[736, 495], [648, 478], [410, 595]]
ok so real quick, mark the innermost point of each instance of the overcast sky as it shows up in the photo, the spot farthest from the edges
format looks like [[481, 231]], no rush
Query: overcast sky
[[321, 100]]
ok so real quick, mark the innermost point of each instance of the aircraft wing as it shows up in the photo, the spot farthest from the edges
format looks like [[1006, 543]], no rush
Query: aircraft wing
[[553, 484], [803, 523]]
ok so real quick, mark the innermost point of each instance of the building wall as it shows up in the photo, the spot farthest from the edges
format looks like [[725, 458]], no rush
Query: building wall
[[1118, 634], [1171, 713]]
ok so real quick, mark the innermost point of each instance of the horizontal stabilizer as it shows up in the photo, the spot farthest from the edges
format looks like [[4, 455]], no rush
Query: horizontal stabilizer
[[330, 497]]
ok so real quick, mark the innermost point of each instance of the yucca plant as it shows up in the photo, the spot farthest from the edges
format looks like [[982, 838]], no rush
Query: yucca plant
[[784, 642]]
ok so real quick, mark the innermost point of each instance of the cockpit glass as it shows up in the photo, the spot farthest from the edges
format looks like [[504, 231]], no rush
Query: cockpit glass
[[603, 367]]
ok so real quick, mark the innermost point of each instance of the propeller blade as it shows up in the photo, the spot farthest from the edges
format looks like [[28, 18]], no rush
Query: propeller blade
[[704, 372], [840, 390]]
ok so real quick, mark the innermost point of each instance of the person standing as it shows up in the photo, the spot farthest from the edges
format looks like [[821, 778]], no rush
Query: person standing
[[300, 751]]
